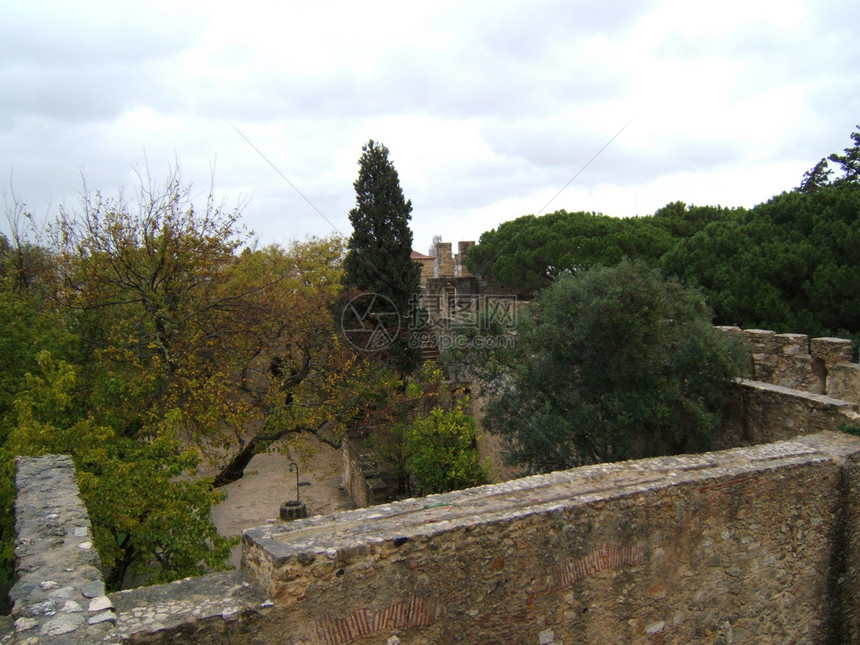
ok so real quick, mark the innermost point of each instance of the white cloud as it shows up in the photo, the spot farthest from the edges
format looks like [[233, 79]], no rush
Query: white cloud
[[488, 109]]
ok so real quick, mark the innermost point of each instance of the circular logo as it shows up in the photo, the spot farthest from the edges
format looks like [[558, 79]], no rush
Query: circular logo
[[370, 322]]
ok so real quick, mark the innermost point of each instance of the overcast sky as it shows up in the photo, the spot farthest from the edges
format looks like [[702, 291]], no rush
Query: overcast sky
[[488, 108]]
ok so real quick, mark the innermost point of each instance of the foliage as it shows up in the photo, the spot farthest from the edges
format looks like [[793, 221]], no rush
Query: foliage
[[850, 429], [166, 343], [397, 404], [141, 285], [816, 177], [790, 264], [530, 252], [611, 363], [141, 513], [7, 526], [244, 345], [379, 252], [442, 451], [849, 162], [28, 325]]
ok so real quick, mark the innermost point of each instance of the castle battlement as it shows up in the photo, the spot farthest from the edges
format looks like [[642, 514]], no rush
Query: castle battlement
[[759, 543], [818, 366]]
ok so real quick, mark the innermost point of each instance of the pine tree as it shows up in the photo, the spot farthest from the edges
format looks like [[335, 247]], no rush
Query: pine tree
[[816, 178], [379, 253], [850, 161]]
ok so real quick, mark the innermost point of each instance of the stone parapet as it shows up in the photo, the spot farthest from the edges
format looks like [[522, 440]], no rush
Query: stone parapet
[[59, 596], [734, 546], [756, 412], [831, 351], [843, 381], [216, 608], [754, 544], [462, 254], [444, 265], [819, 366], [361, 476]]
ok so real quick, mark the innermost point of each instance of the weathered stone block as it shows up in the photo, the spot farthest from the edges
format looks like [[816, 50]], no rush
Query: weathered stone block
[[819, 366], [843, 381], [831, 350]]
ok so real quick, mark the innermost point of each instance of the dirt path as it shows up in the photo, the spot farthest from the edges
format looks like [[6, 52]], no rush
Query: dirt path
[[256, 498]]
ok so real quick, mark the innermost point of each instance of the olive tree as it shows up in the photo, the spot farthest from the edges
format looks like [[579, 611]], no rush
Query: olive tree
[[609, 364]]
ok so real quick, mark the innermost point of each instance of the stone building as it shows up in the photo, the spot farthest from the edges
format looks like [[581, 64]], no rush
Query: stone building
[[454, 300]]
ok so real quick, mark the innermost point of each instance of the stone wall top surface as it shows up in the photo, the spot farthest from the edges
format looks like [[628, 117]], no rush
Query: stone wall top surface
[[399, 521], [185, 604], [819, 365], [820, 400], [59, 596]]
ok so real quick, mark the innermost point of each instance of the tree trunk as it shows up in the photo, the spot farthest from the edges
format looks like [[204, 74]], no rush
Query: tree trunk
[[235, 470]]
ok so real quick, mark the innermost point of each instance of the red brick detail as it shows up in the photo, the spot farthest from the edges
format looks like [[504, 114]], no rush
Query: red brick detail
[[414, 612], [604, 557]]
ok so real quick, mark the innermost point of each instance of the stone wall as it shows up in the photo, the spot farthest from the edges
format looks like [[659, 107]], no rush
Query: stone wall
[[756, 544], [792, 386], [59, 596], [449, 265], [746, 545], [819, 366], [352, 478], [756, 412], [361, 477]]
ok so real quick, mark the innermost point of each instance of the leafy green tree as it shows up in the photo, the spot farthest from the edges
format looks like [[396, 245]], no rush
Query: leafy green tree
[[379, 252], [820, 174], [791, 264], [397, 408], [28, 325], [290, 364], [610, 364], [145, 340], [172, 318], [141, 281], [172, 345], [530, 252], [683, 221], [442, 451], [142, 515]]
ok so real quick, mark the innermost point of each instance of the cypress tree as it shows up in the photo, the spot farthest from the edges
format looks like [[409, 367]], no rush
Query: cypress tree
[[379, 252]]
